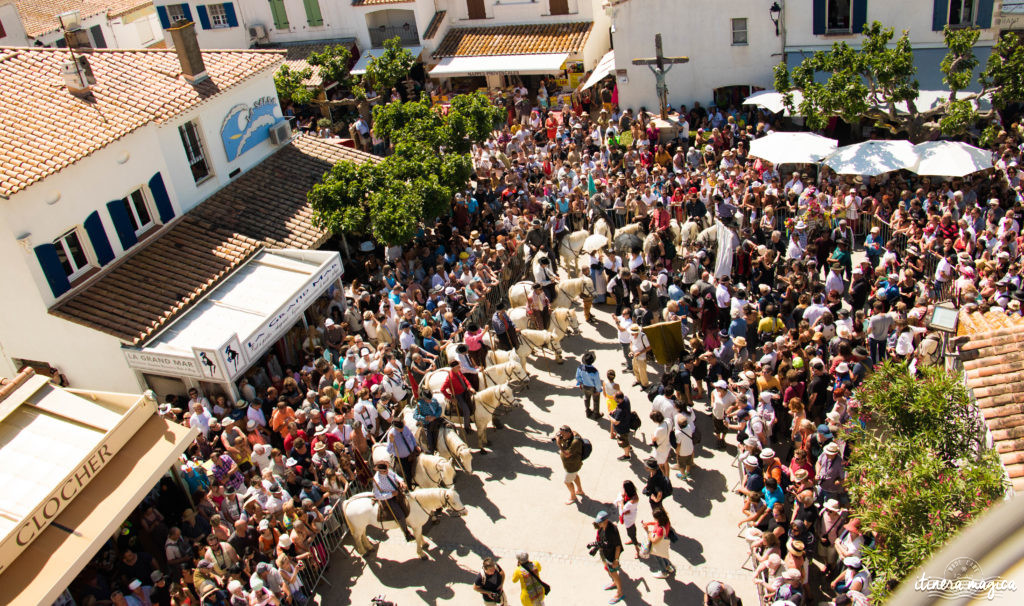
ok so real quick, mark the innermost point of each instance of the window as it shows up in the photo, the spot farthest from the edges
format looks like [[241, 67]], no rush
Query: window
[[739, 32], [138, 211], [176, 12], [961, 13], [71, 254], [837, 18], [218, 16], [279, 13], [559, 7], [193, 145]]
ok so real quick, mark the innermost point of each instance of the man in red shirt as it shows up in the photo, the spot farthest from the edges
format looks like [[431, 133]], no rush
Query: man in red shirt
[[456, 387]]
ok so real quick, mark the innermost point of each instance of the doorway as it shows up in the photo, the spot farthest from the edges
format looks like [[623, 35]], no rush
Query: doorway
[[476, 9]]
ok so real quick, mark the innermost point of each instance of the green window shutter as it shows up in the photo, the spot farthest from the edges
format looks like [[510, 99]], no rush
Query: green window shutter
[[313, 16], [279, 13]]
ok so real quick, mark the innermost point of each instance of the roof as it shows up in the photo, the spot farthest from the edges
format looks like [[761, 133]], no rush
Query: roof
[[40, 16], [434, 25], [266, 206], [44, 128], [376, 2], [514, 40], [994, 370]]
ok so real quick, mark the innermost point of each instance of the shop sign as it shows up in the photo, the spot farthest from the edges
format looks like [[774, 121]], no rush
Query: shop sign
[[162, 363], [285, 317]]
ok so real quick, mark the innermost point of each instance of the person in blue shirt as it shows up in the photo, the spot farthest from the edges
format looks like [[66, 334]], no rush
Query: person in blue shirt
[[772, 493], [402, 445], [588, 379], [429, 416], [873, 246]]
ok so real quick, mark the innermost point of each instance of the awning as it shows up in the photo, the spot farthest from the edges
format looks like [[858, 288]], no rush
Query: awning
[[505, 65], [48, 565], [364, 59], [604, 67]]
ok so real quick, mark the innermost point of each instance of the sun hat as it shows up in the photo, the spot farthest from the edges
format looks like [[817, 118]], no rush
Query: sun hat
[[796, 547], [750, 460], [832, 448], [600, 517], [720, 384], [852, 561], [832, 505], [285, 542], [767, 454], [800, 475], [634, 328]]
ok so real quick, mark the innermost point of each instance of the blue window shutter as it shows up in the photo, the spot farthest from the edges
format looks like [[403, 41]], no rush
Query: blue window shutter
[[187, 11], [122, 223], [161, 12], [940, 15], [164, 208], [52, 269], [860, 15], [98, 239], [204, 18], [819, 18], [984, 19], [229, 14]]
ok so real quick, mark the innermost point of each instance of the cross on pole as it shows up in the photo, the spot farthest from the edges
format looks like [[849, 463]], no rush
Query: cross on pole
[[659, 66]]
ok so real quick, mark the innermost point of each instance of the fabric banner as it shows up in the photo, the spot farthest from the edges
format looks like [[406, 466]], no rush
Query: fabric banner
[[727, 243], [666, 341]]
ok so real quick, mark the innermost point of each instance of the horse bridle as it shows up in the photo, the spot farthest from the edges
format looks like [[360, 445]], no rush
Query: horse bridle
[[555, 348], [447, 502], [439, 481]]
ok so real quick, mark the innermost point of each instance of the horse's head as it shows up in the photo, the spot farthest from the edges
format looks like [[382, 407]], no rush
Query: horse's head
[[517, 373], [446, 471], [574, 321], [452, 502], [505, 395], [588, 288]]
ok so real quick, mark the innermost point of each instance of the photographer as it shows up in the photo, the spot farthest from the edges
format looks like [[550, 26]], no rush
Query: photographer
[[609, 545], [570, 449], [490, 582]]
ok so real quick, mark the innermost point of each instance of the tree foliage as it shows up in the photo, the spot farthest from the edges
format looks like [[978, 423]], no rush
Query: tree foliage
[[920, 472], [290, 84], [390, 68], [333, 62], [389, 200], [877, 82]]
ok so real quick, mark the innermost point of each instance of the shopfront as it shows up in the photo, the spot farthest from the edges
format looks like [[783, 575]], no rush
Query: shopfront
[[76, 463], [254, 324]]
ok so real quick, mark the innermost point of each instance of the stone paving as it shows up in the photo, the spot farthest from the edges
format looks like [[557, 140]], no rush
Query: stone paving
[[516, 503]]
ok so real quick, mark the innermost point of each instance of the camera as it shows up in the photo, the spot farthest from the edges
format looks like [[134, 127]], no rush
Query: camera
[[592, 548]]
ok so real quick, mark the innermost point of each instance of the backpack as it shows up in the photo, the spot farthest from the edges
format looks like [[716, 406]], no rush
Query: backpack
[[672, 441], [655, 390], [634, 421], [697, 436], [587, 449]]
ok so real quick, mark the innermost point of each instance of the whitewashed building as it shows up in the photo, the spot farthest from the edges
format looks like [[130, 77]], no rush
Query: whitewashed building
[[102, 23], [133, 183]]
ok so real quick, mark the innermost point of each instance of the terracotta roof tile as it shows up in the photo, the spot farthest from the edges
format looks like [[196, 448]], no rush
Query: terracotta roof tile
[[514, 40], [40, 16], [994, 372], [434, 25], [44, 128], [265, 207]]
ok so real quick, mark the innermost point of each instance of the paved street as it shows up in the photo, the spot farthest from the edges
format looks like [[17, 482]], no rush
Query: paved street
[[516, 502]]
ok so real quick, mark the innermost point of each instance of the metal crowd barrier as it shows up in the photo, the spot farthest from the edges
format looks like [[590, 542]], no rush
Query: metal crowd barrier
[[323, 546]]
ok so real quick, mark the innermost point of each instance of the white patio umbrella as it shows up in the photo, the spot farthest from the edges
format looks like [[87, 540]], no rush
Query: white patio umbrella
[[594, 242], [796, 148], [872, 158], [773, 101], [950, 159]]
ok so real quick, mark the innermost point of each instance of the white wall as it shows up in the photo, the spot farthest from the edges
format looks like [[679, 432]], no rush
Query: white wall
[[500, 12], [701, 31], [138, 29], [339, 20], [14, 30]]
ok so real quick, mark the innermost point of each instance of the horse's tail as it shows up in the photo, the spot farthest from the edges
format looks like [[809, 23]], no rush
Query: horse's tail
[[348, 522]]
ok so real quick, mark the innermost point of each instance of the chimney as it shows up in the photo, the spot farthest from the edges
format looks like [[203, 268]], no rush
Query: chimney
[[183, 35], [78, 76]]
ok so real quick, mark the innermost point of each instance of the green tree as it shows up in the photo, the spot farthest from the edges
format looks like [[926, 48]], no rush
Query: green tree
[[873, 82], [390, 68], [920, 472], [290, 84], [415, 184], [333, 62]]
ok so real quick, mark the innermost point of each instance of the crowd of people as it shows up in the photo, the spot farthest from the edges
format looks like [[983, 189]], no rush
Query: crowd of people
[[777, 338]]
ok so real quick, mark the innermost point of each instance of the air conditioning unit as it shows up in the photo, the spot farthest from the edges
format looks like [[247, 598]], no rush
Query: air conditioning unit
[[281, 132], [258, 33]]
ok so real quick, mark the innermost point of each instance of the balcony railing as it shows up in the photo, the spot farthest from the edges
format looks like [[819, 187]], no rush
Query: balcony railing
[[407, 36]]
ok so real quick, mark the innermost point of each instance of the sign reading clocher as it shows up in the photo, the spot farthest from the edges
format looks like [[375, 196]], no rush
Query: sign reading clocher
[[47, 470]]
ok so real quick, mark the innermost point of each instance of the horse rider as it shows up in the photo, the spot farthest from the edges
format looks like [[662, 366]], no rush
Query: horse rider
[[558, 231], [389, 492], [547, 278], [401, 444], [538, 306], [537, 237], [504, 329], [661, 221], [457, 388], [429, 416]]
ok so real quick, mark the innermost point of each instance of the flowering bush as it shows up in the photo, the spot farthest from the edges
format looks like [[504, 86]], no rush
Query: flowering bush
[[919, 473]]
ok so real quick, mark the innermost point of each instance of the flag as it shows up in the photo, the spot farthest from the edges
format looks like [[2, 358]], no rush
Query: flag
[[666, 341], [591, 188]]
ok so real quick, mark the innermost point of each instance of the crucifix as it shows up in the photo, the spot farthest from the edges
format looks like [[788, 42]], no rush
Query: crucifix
[[660, 65]]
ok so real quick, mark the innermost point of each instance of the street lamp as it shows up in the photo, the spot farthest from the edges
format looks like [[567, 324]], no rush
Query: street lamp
[[774, 12]]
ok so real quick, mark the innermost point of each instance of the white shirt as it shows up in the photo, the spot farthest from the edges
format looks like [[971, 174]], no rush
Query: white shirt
[[719, 403], [662, 441], [627, 512], [684, 439], [665, 406], [406, 339], [813, 312], [622, 325], [637, 344], [201, 421], [366, 412], [833, 282]]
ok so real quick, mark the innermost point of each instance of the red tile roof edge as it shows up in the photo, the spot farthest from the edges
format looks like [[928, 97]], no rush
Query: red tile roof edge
[[9, 386]]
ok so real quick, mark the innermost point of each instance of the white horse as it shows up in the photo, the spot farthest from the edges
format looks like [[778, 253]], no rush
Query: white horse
[[603, 228], [431, 471], [538, 340], [451, 446], [569, 250], [566, 292], [509, 372], [360, 512], [487, 403], [686, 234], [632, 228], [500, 356], [563, 320]]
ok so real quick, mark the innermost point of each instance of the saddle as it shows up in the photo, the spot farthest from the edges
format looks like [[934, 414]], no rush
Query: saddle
[[384, 512], [451, 409]]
